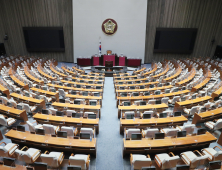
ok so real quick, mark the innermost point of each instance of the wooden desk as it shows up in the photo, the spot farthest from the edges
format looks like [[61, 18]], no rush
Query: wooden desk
[[5, 90], [1, 137], [26, 71], [75, 89], [146, 146], [46, 93], [31, 101], [188, 79], [191, 102], [85, 97], [52, 143], [138, 71], [11, 112], [162, 73], [178, 72], [83, 84], [56, 72], [142, 79], [140, 84], [153, 70], [67, 121], [85, 79], [206, 116], [17, 167], [216, 93], [153, 122], [78, 70], [145, 107], [44, 74], [16, 80], [61, 106], [201, 85]]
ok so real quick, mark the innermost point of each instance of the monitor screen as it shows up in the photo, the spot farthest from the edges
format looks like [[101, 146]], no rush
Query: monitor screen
[[177, 114], [201, 131], [142, 103], [88, 87], [40, 131], [136, 136], [120, 83], [91, 116], [130, 82], [59, 113], [84, 136], [9, 104], [9, 161], [181, 134], [194, 97], [214, 165], [37, 97], [21, 128], [39, 166], [132, 87], [96, 94], [157, 92], [62, 100], [45, 88], [151, 86], [44, 39], [137, 82], [129, 116], [146, 116], [19, 107], [142, 87], [90, 82], [73, 92], [118, 79], [158, 101], [76, 102], [93, 103], [81, 81], [71, 167], [123, 94], [62, 134], [76, 115], [183, 167], [159, 135], [121, 88], [78, 86], [126, 103], [98, 87], [45, 112], [0, 101], [73, 80], [27, 94], [175, 40], [163, 115], [135, 94], [203, 109], [146, 93], [85, 93]]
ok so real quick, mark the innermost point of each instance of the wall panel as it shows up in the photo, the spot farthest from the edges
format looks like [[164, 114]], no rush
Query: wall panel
[[15, 14], [202, 14]]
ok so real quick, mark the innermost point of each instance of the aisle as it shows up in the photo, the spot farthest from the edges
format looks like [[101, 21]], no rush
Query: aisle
[[109, 141]]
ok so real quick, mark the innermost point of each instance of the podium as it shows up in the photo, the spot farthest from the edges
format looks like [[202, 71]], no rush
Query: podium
[[108, 63]]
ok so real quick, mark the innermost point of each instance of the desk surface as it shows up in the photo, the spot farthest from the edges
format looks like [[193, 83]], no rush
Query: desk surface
[[84, 97], [43, 73], [30, 99], [26, 71], [162, 73], [153, 70], [203, 83], [72, 88], [197, 100], [55, 71], [150, 106], [28, 137], [179, 70], [190, 77], [17, 167], [83, 84], [75, 106], [44, 91]]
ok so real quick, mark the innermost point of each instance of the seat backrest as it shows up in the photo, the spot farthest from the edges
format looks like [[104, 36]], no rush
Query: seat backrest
[[78, 160], [50, 160], [3, 121], [49, 129], [86, 113], [218, 124], [26, 107], [149, 112], [150, 133], [53, 111], [188, 128], [143, 162], [151, 101], [165, 100], [176, 99], [31, 126], [69, 112], [170, 162], [171, 132], [194, 110], [87, 130], [198, 161], [69, 130], [132, 131]]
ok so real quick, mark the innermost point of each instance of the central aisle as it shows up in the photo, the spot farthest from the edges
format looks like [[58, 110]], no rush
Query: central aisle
[[109, 141]]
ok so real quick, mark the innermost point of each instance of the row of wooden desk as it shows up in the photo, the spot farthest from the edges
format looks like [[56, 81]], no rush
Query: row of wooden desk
[[53, 143], [31, 77]]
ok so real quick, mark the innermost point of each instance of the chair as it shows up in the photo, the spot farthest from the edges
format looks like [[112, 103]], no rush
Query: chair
[[62, 92], [32, 128], [129, 113], [214, 126], [4, 121], [174, 100], [129, 132], [8, 150], [86, 113], [151, 113], [212, 154], [29, 156], [169, 132], [165, 100], [70, 130], [50, 129], [150, 133], [87, 130], [53, 159], [80, 160], [188, 128], [164, 161], [53, 111], [138, 161], [152, 102], [191, 159], [191, 111]]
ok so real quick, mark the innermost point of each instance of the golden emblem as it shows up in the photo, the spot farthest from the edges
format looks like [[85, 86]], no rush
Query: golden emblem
[[109, 26]]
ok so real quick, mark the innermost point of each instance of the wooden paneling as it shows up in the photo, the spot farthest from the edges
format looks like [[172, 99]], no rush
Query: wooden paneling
[[15, 14], [202, 14]]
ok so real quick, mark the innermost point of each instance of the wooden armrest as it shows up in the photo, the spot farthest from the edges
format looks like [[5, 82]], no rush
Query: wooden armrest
[[61, 156], [12, 148], [56, 128], [33, 160], [217, 147], [72, 154], [158, 161], [179, 127], [198, 152], [24, 148], [186, 157], [148, 156], [46, 152], [2, 143], [171, 154], [210, 123]]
